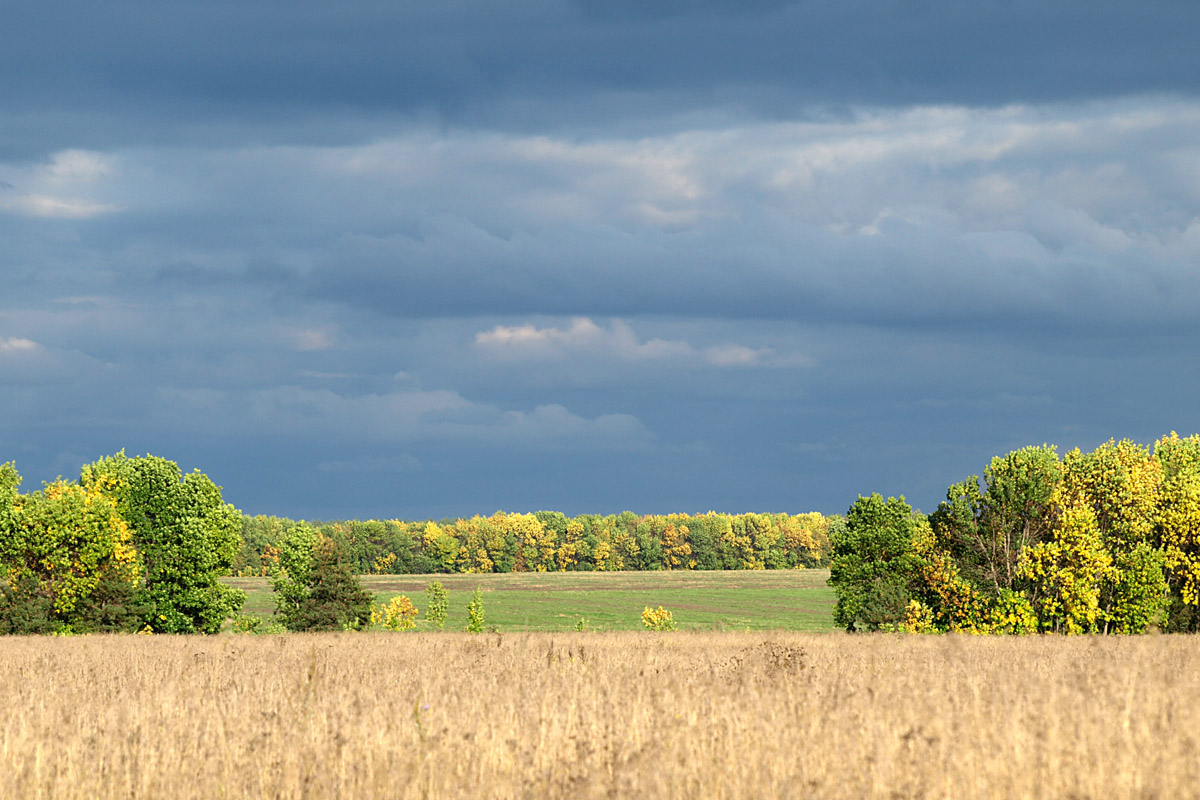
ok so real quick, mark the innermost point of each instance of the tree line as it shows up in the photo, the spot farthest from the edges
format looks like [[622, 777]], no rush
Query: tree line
[[1105, 542], [137, 545], [549, 541]]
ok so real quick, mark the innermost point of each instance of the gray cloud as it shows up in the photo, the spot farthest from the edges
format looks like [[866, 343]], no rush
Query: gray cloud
[[1077, 215], [137, 72], [424, 259]]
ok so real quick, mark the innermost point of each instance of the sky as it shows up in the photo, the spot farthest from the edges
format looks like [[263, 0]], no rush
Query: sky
[[432, 259]]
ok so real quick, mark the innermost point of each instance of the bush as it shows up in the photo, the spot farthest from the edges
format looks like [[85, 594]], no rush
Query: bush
[[658, 619], [399, 614]]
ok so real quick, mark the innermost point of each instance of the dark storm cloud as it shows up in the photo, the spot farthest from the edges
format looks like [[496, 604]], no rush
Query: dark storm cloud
[[1037, 219], [425, 258], [105, 74], [907, 276]]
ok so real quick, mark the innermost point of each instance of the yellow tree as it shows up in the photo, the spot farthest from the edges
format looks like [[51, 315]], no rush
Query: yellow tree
[[572, 548], [473, 553], [1178, 454], [1065, 574], [1120, 483], [603, 554], [627, 548], [440, 546], [799, 543], [70, 546], [739, 545], [536, 546], [677, 551], [1179, 525]]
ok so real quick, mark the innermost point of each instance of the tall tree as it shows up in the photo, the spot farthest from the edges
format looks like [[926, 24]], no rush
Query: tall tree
[[876, 570], [1120, 482], [986, 530], [1065, 574], [325, 594], [1179, 527], [186, 536]]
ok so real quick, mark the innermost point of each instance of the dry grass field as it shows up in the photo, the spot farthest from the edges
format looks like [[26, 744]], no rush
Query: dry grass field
[[599, 715]]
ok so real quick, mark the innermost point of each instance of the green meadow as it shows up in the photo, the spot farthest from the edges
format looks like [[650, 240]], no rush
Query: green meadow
[[795, 600]]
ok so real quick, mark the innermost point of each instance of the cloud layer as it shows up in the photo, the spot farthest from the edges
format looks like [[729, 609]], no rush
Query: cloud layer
[[412, 259]]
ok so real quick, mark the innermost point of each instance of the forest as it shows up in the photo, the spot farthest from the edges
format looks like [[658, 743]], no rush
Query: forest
[[549, 541]]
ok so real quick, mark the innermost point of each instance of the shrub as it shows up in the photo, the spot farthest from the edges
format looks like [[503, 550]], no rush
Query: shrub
[[398, 614], [658, 619]]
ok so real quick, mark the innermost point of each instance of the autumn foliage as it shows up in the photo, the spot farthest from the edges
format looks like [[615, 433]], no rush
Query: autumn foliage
[[133, 545], [549, 541], [1098, 542]]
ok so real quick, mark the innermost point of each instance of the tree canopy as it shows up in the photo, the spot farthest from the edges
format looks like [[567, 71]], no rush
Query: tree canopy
[[134, 544], [1106, 541]]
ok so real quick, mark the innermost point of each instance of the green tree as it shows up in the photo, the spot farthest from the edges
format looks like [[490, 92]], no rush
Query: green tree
[[10, 482], [24, 608], [986, 531], [297, 548], [437, 604], [260, 545], [475, 612], [875, 568], [186, 537], [334, 599], [440, 546], [1136, 590]]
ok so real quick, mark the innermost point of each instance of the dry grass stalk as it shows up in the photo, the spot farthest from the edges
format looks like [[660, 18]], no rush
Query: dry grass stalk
[[599, 715]]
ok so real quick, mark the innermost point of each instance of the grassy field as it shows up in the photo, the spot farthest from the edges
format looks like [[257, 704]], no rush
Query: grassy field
[[619, 714], [797, 600]]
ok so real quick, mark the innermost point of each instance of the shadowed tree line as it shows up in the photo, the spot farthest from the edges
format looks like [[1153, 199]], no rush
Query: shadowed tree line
[[1101, 542]]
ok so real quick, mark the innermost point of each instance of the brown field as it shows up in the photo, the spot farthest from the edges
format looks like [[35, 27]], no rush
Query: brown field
[[599, 715]]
